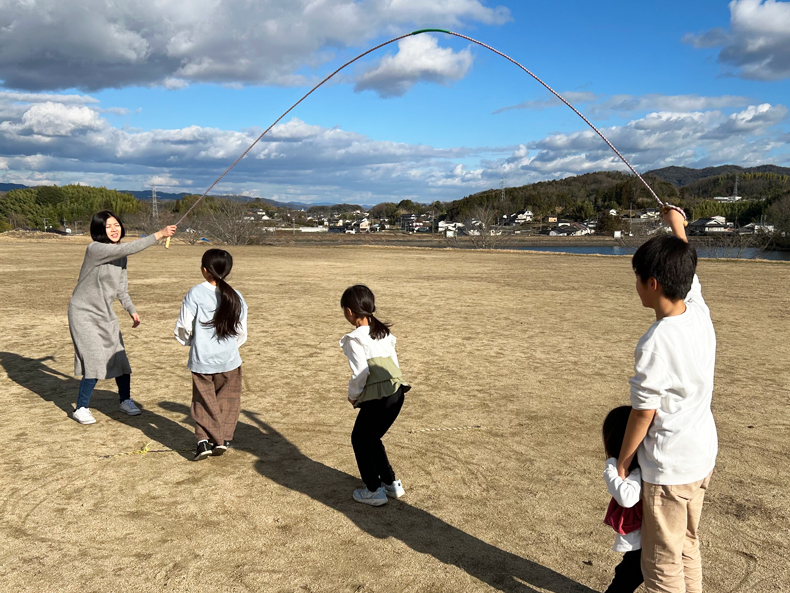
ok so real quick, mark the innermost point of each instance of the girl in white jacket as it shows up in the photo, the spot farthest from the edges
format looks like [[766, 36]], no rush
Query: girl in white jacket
[[624, 514], [377, 389]]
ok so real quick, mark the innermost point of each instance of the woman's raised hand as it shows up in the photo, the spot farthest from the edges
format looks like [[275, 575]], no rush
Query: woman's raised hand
[[168, 231]]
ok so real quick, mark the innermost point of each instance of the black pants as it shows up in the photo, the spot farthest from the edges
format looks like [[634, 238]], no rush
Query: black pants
[[373, 421], [627, 574]]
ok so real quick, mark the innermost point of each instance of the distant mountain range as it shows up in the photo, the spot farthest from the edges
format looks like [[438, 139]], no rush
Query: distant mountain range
[[679, 177], [10, 186], [682, 176], [165, 196]]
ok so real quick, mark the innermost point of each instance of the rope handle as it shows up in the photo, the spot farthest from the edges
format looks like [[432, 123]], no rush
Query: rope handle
[[667, 207]]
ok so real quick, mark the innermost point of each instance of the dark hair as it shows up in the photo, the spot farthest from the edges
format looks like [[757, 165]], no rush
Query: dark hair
[[218, 264], [671, 261], [359, 298], [99, 226], [614, 433]]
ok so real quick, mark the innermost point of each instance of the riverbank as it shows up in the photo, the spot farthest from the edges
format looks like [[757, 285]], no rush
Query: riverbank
[[396, 238], [587, 245]]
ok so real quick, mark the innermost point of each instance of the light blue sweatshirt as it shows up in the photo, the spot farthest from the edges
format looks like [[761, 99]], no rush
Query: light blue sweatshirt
[[208, 354]]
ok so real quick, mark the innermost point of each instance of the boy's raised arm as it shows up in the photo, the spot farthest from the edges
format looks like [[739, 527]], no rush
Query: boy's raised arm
[[676, 221]]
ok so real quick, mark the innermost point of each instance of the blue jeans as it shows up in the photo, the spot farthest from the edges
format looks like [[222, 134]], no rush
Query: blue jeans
[[87, 386]]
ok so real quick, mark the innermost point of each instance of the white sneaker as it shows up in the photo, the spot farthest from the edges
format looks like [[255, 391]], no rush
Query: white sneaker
[[127, 406], [394, 490], [374, 499], [83, 416]]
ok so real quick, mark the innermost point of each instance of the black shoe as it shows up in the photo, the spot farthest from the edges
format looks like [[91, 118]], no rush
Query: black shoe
[[220, 449], [203, 450]]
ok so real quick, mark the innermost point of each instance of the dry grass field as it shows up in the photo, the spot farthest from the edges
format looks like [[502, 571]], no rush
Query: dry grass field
[[530, 349]]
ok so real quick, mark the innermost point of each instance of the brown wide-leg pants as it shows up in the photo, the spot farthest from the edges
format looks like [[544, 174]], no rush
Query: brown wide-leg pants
[[216, 400], [670, 544]]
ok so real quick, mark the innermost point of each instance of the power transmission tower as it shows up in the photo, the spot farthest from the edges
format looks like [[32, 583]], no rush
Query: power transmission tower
[[154, 205], [735, 189], [502, 189]]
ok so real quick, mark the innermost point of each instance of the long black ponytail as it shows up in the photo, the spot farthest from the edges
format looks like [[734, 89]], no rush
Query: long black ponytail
[[218, 263], [360, 300]]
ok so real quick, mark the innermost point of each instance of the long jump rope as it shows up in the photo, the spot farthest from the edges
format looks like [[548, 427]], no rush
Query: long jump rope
[[145, 449], [393, 40]]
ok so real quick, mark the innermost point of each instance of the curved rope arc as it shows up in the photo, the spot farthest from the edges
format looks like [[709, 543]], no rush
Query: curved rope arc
[[393, 40]]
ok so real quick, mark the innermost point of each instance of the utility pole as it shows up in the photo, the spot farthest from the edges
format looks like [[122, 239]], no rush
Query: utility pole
[[154, 206], [502, 220]]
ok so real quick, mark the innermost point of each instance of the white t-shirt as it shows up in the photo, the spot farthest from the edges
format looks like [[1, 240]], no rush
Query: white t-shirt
[[360, 347], [673, 367]]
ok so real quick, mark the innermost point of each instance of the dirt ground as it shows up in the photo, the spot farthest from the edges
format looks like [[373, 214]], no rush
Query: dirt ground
[[521, 353]]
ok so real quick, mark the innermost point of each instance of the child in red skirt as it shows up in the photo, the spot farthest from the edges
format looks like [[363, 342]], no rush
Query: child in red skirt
[[624, 514]]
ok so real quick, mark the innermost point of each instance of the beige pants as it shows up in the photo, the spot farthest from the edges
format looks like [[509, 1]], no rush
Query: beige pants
[[670, 546]]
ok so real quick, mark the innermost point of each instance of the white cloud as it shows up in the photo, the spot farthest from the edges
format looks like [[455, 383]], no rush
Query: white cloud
[[174, 84], [755, 120], [95, 44], [164, 181], [601, 106], [758, 41], [419, 59], [660, 102], [55, 119], [573, 97], [16, 97], [657, 140], [115, 110], [68, 142], [13, 104]]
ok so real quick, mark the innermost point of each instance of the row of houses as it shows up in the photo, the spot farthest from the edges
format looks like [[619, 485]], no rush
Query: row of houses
[[572, 229], [642, 215], [716, 225], [360, 222]]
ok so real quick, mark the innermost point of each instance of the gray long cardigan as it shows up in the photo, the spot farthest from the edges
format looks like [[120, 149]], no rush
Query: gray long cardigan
[[98, 345]]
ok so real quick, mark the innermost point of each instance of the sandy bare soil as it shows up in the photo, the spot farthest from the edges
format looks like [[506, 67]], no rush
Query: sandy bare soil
[[530, 350]]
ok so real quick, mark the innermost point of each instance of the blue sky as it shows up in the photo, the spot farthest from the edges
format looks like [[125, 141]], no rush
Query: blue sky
[[165, 92]]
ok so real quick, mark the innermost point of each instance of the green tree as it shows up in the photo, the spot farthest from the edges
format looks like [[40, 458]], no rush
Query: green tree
[[47, 195], [608, 224], [779, 214], [384, 211]]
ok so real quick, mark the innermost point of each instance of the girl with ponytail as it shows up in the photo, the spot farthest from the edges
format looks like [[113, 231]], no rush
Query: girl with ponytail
[[377, 388], [213, 323]]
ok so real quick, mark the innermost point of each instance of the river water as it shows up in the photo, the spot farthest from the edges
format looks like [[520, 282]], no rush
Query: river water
[[716, 253]]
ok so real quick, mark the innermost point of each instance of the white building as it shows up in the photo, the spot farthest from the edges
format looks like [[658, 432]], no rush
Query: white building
[[525, 216], [754, 228], [714, 224]]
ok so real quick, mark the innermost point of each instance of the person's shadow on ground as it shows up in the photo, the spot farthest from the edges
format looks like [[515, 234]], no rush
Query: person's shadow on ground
[[53, 386], [282, 462]]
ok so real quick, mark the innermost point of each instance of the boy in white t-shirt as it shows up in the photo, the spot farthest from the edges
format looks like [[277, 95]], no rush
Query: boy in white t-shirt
[[671, 426]]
